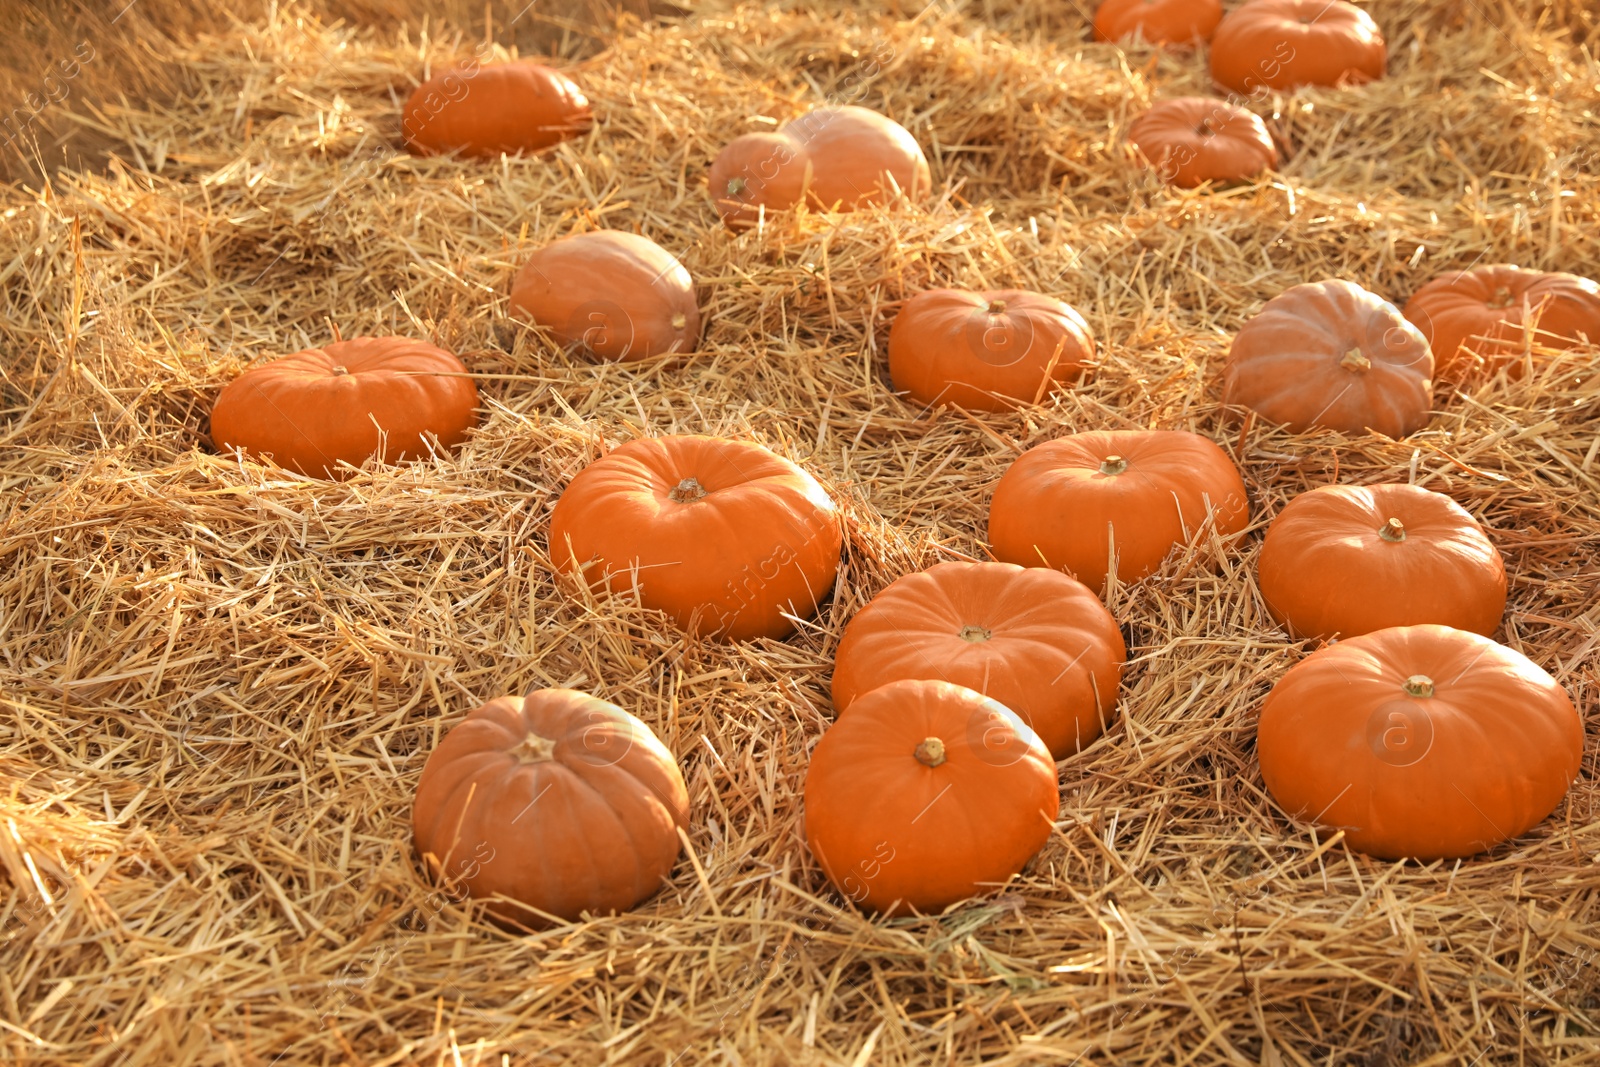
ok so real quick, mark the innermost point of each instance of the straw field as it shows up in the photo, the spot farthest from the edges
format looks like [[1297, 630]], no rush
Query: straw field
[[220, 681]]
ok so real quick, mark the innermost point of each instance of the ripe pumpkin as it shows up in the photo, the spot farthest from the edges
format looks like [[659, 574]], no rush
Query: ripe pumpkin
[[1174, 22], [1419, 741], [1192, 140], [986, 351], [845, 157], [1345, 560], [1279, 44], [926, 793], [1067, 503], [1476, 320], [609, 294], [482, 112], [726, 536], [1333, 356], [556, 800], [1033, 639], [346, 402]]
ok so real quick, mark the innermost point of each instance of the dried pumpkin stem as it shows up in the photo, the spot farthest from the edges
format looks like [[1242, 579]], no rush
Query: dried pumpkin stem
[[1393, 530], [679, 321], [735, 186], [1502, 298], [975, 634], [1419, 685], [996, 306], [1204, 129], [338, 370], [687, 491], [1113, 465], [1355, 362], [534, 749], [931, 752]]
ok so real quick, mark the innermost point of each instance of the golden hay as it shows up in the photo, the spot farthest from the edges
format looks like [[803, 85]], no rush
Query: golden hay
[[220, 682]]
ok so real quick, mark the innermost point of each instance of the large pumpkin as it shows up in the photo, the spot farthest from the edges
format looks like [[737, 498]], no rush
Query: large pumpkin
[[1035, 640], [610, 295], [557, 801], [1178, 22], [986, 351], [1477, 320], [1069, 503], [347, 402], [1279, 44], [1333, 356], [1344, 560], [723, 535], [482, 112], [845, 157], [1192, 140], [926, 793], [1419, 741]]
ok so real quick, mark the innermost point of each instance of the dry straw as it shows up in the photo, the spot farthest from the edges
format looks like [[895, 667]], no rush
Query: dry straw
[[220, 682]]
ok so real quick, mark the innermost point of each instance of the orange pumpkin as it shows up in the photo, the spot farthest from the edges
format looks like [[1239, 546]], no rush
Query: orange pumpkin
[[1192, 140], [1478, 321], [1330, 355], [986, 351], [1069, 503], [482, 112], [1279, 44], [1175, 22], [926, 793], [609, 294], [556, 802], [1344, 560], [832, 157], [1033, 639], [345, 403], [723, 535], [1419, 741]]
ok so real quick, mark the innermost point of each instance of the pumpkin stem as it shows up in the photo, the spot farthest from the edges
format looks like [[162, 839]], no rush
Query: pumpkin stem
[[687, 491], [1204, 129], [735, 186], [996, 306], [1419, 685], [1393, 530], [931, 752], [338, 370], [1502, 298], [1113, 465], [534, 749], [679, 321], [975, 634], [1355, 362]]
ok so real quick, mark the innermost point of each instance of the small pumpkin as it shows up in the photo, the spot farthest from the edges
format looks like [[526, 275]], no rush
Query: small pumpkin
[[1477, 320], [1280, 44], [556, 803], [1192, 140], [1419, 741], [345, 403], [926, 793], [481, 112], [1330, 355], [1068, 504], [831, 157], [1344, 560], [986, 351], [1035, 640], [1162, 22], [723, 535], [610, 295]]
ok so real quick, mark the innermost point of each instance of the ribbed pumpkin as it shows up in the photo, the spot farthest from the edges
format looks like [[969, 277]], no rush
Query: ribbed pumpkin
[[556, 800], [1419, 741], [1068, 503], [723, 535], [1191, 140], [1167, 22], [1344, 560], [347, 402], [609, 295], [1280, 44], [986, 351], [924, 794], [481, 112], [831, 157], [1330, 355], [1477, 321], [1035, 640]]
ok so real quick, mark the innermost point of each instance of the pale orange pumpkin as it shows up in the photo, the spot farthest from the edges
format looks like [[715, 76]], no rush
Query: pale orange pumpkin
[[1478, 321], [481, 112], [1191, 140], [1163, 22], [1279, 44]]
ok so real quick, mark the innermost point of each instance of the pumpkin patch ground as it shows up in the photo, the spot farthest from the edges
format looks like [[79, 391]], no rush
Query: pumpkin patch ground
[[222, 679]]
